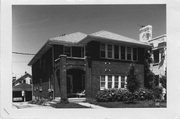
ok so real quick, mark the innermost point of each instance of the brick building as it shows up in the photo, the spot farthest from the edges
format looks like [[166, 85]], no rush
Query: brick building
[[75, 62]]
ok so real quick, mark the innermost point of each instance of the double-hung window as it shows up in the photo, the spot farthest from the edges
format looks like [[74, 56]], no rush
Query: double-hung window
[[109, 81], [116, 81], [102, 82], [128, 53], [67, 51], [109, 51], [116, 52], [122, 81], [103, 50], [134, 53], [123, 52]]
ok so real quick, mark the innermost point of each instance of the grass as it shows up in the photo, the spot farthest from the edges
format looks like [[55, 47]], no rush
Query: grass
[[138, 104], [68, 105]]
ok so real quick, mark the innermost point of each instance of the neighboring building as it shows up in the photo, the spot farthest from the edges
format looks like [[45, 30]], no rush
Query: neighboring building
[[75, 62], [22, 88], [159, 50]]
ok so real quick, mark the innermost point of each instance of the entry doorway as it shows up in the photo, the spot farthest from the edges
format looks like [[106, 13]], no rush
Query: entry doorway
[[75, 81]]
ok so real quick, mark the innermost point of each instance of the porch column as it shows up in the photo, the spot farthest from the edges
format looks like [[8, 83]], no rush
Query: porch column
[[63, 81]]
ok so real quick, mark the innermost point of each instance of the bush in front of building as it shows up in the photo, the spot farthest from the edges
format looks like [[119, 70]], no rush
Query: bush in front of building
[[123, 95], [144, 94], [133, 83]]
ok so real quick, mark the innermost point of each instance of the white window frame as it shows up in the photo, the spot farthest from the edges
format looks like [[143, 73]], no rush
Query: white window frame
[[113, 82], [111, 53], [102, 88]]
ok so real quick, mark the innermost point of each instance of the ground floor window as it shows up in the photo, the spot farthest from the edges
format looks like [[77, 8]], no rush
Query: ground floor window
[[112, 81]]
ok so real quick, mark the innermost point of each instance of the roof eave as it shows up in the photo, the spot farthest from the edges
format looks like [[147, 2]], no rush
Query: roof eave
[[44, 48], [108, 39]]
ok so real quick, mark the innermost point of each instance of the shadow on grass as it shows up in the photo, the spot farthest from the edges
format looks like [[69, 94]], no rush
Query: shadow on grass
[[68, 105], [137, 104]]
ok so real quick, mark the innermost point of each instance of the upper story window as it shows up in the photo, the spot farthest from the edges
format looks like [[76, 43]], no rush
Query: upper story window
[[123, 52], [110, 51], [74, 51], [135, 54], [102, 50], [129, 53], [67, 51], [116, 51]]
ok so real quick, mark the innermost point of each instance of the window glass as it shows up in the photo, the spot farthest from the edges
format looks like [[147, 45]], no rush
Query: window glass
[[67, 51], [109, 51], [116, 82], [109, 81], [128, 53], [116, 51], [123, 52], [102, 82], [122, 81], [134, 53], [102, 50], [76, 51]]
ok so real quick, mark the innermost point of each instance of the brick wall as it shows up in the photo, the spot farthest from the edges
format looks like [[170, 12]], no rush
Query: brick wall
[[112, 68]]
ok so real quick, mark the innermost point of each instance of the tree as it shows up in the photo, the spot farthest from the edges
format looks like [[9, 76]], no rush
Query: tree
[[149, 76], [132, 81]]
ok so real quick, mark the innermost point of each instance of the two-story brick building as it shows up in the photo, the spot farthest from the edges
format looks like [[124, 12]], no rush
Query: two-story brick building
[[75, 62]]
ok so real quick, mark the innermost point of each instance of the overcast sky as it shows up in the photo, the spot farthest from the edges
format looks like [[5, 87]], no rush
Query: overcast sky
[[33, 25]]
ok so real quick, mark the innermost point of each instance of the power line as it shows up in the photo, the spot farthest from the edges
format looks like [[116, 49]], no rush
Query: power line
[[21, 53]]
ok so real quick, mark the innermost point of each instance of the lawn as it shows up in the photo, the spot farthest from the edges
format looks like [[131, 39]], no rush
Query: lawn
[[68, 105], [138, 104]]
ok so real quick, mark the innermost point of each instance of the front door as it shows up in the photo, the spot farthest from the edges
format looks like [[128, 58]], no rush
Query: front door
[[69, 84]]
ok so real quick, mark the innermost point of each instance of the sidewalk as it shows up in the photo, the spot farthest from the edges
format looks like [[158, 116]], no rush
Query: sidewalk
[[80, 101], [26, 105]]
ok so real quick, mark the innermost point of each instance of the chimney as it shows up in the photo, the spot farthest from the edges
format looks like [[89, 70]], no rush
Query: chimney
[[145, 33]]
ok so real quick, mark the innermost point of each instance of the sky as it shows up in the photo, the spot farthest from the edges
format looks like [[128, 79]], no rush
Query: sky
[[33, 25]]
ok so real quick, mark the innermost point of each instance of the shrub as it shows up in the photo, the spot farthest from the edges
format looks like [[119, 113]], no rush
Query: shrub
[[144, 94], [157, 91], [132, 81], [111, 95]]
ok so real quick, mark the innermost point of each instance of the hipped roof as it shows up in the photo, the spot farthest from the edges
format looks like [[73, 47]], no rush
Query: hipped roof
[[79, 38]]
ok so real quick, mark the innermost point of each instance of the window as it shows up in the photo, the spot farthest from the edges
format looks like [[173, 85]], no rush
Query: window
[[112, 81], [109, 81], [134, 53], [102, 82], [122, 81], [116, 81], [102, 50], [123, 52], [109, 51], [128, 53], [67, 51], [76, 52], [156, 56], [116, 51]]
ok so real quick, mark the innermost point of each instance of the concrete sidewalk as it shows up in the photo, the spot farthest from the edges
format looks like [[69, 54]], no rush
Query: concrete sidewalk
[[80, 101], [26, 105]]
